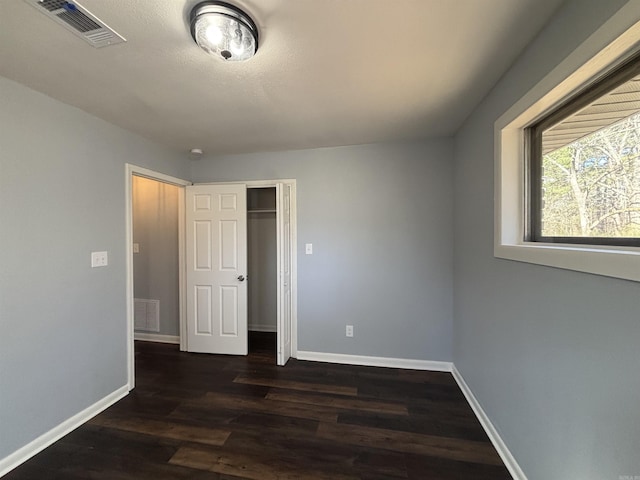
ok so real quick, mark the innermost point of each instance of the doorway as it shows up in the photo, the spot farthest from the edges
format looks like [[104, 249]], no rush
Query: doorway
[[262, 271], [217, 273], [156, 281], [131, 173]]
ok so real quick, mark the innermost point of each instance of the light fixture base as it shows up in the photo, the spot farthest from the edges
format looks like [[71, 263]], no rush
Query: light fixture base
[[224, 30], [195, 153]]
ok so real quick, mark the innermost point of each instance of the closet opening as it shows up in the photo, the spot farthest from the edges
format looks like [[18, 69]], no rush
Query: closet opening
[[262, 279]]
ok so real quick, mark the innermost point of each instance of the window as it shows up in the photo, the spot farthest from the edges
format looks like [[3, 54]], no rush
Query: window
[[584, 165], [606, 51]]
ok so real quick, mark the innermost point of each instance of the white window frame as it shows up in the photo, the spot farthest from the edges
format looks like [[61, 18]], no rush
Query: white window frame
[[612, 44]]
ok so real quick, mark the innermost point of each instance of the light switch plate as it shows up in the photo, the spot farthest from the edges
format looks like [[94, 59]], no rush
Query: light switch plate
[[136, 248], [99, 259], [308, 248]]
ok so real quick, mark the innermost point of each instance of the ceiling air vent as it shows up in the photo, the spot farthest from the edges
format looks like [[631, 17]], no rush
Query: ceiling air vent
[[79, 21]]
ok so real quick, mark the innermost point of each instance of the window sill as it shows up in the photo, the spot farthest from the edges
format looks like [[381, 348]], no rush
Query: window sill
[[617, 262]]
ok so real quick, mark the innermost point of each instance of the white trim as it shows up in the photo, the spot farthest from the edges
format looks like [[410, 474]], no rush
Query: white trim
[[130, 171], [156, 337], [293, 226], [254, 183], [56, 433], [153, 175], [407, 363], [613, 43], [501, 447], [182, 271]]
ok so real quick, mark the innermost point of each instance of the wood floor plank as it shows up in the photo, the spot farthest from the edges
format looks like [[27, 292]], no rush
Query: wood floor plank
[[395, 389], [250, 467], [435, 424], [120, 444], [293, 385], [263, 422], [366, 405], [420, 467], [381, 465], [456, 411], [141, 404], [354, 374], [424, 376], [289, 409], [227, 387], [164, 429], [310, 449], [102, 454], [430, 445]]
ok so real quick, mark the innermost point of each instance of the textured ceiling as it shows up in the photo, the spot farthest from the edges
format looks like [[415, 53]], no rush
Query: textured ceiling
[[327, 73]]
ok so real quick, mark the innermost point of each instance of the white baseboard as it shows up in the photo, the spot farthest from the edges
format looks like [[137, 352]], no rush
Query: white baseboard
[[506, 456], [156, 337], [56, 433], [261, 327], [375, 361]]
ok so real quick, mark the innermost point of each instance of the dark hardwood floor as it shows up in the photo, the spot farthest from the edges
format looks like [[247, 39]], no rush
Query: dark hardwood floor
[[194, 416]]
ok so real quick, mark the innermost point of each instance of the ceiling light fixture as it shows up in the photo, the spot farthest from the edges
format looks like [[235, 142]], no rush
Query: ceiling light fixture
[[224, 31]]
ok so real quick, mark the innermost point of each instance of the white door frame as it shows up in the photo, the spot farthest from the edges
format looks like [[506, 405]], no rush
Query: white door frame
[[130, 171], [294, 257]]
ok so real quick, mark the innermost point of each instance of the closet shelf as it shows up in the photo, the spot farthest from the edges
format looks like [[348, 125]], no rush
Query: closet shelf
[[262, 210]]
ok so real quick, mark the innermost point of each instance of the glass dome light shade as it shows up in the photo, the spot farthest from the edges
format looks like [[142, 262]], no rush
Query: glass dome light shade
[[224, 31]]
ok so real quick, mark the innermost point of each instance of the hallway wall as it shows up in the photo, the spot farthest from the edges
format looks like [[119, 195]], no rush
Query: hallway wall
[[155, 267]]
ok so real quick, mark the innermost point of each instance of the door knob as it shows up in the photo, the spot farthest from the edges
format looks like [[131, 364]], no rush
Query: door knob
[[241, 278]]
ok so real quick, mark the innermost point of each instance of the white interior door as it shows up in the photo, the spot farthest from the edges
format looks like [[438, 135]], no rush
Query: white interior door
[[283, 228], [216, 258]]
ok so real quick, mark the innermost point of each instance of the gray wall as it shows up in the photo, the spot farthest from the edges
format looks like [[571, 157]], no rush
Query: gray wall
[[62, 323], [155, 267], [263, 286], [552, 355], [380, 220]]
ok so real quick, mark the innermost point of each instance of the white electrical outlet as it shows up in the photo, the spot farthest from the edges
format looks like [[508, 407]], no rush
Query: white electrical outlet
[[99, 259], [349, 330]]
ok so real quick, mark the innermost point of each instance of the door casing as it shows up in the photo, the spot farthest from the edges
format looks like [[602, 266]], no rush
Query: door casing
[[130, 171]]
